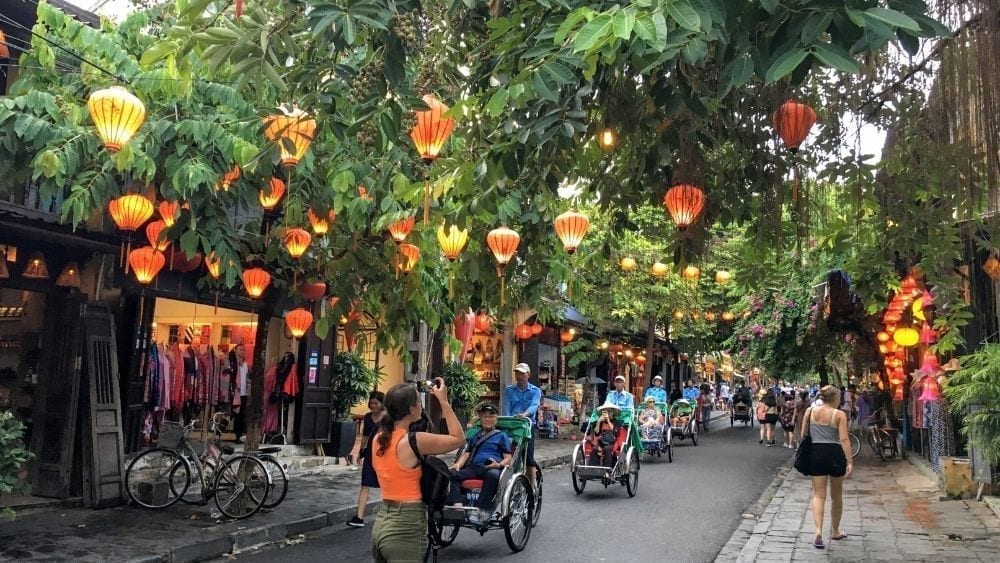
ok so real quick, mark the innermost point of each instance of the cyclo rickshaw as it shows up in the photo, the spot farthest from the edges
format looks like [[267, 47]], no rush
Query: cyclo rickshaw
[[517, 504], [623, 466], [682, 422], [654, 440], [741, 410]]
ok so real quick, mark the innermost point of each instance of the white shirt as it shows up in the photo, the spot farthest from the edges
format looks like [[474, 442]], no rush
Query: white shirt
[[241, 379]]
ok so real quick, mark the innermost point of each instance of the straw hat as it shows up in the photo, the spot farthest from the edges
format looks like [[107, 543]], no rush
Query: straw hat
[[609, 406]]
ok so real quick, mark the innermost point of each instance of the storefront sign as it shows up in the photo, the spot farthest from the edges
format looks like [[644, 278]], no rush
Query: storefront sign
[[312, 375]]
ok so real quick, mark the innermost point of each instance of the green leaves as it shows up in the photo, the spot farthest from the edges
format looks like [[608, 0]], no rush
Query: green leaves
[[684, 15], [835, 57], [593, 33], [737, 73], [785, 64], [892, 17]]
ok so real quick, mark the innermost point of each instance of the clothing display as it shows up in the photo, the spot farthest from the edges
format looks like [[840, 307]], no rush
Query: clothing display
[[942, 432]]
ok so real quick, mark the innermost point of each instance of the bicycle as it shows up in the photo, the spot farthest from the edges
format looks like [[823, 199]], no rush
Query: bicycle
[[882, 438], [160, 477]]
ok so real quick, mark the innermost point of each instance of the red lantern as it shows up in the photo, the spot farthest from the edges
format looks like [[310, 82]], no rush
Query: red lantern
[[320, 226], [640, 360], [567, 335], [523, 332], [154, 230], [312, 291], [891, 317], [537, 328], [793, 120], [684, 202], [297, 242], [432, 129], [256, 281], [298, 321], [169, 210], [146, 262], [4, 50], [401, 228], [270, 199], [571, 227], [483, 322]]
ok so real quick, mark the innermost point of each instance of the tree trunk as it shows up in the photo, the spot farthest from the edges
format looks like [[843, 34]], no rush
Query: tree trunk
[[647, 370], [255, 410], [824, 375]]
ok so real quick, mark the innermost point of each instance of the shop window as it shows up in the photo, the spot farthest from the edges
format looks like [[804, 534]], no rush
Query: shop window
[[22, 315]]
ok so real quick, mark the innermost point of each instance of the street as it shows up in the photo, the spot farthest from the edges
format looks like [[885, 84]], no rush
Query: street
[[684, 511]]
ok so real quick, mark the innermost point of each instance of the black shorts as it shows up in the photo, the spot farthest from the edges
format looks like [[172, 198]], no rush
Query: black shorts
[[827, 459], [771, 419]]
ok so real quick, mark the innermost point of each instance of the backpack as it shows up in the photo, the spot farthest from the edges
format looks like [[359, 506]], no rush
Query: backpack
[[435, 477]]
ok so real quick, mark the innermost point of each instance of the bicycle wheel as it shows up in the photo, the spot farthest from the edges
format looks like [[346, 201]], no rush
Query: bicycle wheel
[[279, 482], [241, 487], [889, 443], [855, 444], [157, 478]]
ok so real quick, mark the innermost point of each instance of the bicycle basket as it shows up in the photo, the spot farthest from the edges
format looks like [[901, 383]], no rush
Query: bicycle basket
[[171, 434]]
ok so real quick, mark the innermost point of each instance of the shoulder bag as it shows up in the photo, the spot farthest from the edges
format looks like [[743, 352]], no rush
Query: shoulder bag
[[805, 446]]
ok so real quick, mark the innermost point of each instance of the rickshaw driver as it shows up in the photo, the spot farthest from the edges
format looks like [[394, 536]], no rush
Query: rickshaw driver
[[484, 457], [656, 390], [523, 399], [620, 397]]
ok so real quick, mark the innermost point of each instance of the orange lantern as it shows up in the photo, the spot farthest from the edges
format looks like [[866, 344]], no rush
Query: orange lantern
[[628, 264], [130, 211], [4, 50], [432, 129], [312, 291], [297, 242], [228, 178], [256, 281], [571, 227], [270, 199], [483, 322], [883, 349], [537, 328], [363, 193], [320, 226], [503, 243], [710, 316], [452, 241], [410, 254], [890, 328], [298, 321], [117, 114], [567, 335], [906, 336], [154, 232], [684, 202], [882, 336], [728, 316], [659, 269], [793, 120], [401, 228], [169, 210], [640, 360], [214, 265], [146, 262], [523, 331], [891, 317], [293, 131], [692, 273]]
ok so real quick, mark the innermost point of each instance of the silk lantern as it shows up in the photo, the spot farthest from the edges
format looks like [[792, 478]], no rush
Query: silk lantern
[[256, 280], [906, 336], [312, 291], [628, 264], [691, 272], [297, 242], [400, 229], [228, 178], [684, 202], [320, 225], [659, 269], [452, 241], [293, 131], [567, 335], [571, 227], [882, 336], [146, 262], [483, 322], [537, 328], [129, 212], [503, 243], [722, 277], [214, 265], [679, 315], [793, 121], [728, 316], [429, 135], [298, 321], [154, 233], [465, 324], [271, 195], [117, 114], [169, 210], [523, 332], [4, 50], [411, 254], [640, 360]]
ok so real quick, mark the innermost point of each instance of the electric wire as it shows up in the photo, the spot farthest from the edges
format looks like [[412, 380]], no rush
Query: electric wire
[[59, 46]]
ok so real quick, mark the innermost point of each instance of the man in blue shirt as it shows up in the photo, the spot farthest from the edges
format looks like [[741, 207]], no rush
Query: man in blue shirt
[[620, 397], [523, 399], [485, 456], [691, 392], [657, 391]]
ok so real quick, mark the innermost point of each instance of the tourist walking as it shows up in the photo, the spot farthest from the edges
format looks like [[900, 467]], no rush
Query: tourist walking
[[801, 405], [368, 478], [770, 416], [827, 461], [400, 532], [787, 419]]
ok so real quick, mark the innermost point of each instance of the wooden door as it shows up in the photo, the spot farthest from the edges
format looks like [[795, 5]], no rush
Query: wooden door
[[134, 340], [55, 413], [103, 453], [315, 365]]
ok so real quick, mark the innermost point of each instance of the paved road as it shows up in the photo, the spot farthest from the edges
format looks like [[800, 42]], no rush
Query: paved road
[[684, 511]]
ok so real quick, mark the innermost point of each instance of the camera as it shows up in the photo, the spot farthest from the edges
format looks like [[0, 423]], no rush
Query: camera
[[425, 386]]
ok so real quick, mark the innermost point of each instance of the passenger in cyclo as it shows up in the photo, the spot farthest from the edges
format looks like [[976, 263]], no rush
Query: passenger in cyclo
[[650, 421], [681, 417], [484, 457], [603, 436]]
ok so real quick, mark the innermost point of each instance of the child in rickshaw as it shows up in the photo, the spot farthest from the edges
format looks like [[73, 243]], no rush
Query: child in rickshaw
[[603, 436], [650, 421], [484, 457]]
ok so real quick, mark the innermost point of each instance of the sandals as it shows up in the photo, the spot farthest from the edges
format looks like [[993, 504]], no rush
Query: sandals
[[818, 543], [840, 536]]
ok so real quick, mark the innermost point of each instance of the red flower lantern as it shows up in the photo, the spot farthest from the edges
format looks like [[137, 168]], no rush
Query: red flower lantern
[[571, 227], [146, 262], [298, 321], [256, 281], [297, 242], [684, 202], [793, 120], [399, 229]]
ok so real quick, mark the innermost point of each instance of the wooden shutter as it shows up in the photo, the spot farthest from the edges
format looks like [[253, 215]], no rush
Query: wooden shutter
[[315, 364], [134, 340]]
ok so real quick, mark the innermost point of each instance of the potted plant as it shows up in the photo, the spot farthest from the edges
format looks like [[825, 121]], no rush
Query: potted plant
[[12, 458], [352, 382], [464, 390]]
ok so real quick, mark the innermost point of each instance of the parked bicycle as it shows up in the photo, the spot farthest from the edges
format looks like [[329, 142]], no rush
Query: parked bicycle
[[161, 476], [880, 436]]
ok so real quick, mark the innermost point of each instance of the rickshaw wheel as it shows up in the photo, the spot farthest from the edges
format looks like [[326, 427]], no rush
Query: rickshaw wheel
[[445, 534], [517, 522], [578, 484], [632, 478], [694, 437], [538, 498], [670, 453]]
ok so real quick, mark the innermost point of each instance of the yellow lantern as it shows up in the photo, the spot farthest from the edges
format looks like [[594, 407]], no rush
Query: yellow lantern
[[722, 277], [906, 336], [728, 316], [452, 241], [679, 315], [659, 269], [628, 264], [607, 139], [117, 114], [293, 130], [691, 273], [214, 265]]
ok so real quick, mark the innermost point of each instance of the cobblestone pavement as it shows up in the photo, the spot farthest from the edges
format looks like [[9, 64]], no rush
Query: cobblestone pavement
[[892, 512]]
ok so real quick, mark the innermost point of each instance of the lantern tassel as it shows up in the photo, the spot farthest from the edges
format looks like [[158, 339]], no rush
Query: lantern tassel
[[451, 285], [427, 202], [128, 250], [503, 300], [216, 312]]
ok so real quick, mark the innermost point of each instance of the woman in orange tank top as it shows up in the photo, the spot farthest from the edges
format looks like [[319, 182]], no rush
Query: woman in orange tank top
[[400, 533]]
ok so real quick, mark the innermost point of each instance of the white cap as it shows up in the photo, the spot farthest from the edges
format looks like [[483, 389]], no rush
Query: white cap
[[522, 367], [655, 377], [617, 377]]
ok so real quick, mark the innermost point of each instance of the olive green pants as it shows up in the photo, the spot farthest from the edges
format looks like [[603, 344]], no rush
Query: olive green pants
[[400, 533]]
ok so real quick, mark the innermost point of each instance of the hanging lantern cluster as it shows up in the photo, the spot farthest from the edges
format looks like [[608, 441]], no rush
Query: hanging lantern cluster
[[117, 114], [684, 202], [293, 131]]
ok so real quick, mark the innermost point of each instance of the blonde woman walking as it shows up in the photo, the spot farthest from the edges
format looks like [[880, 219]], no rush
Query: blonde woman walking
[[829, 461]]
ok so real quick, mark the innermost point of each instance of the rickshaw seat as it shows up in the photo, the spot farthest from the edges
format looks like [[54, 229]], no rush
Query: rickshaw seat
[[470, 484], [620, 440]]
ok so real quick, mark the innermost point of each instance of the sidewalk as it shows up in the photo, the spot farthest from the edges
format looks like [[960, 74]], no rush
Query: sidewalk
[[317, 498], [892, 512]]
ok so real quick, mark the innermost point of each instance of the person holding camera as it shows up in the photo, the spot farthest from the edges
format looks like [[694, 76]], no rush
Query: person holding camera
[[400, 532], [485, 456]]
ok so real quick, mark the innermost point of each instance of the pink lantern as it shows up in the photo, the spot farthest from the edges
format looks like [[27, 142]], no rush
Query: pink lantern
[[929, 389], [465, 325], [930, 364], [928, 335]]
